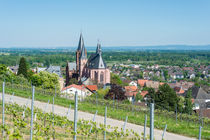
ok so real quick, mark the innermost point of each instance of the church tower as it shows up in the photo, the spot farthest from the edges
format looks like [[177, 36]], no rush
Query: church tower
[[81, 57], [78, 52]]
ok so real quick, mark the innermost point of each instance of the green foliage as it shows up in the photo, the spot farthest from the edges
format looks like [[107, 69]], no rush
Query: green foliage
[[23, 67], [102, 92], [138, 97], [141, 75], [73, 81], [46, 80], [188, 102], [165, 73], [16, 126], [115, 79], [116, 92], [166, 97]]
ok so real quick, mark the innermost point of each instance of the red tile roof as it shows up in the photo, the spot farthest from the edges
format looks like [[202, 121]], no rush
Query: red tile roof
[[80, 87], [143, 93], [92, 87], [142, 82], [131, 88]]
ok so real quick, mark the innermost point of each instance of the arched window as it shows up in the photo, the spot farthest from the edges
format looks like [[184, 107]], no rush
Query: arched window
[[96, 76], [102, 77]]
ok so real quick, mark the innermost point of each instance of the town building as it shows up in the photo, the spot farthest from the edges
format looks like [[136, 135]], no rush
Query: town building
[[93, 69]]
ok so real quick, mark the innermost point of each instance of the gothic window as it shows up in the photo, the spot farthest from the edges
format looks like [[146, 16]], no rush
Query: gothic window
[[101, 77], [96, 76]]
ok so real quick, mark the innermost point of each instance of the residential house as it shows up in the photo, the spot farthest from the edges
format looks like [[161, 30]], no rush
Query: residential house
[[54, 69], [133, 83], [201, 97], [14, 69], [130, 92], [70, 91], [152, 84], [142, 82]]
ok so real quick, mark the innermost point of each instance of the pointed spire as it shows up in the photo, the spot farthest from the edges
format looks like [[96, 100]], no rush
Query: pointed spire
[[98, 48], [83, 54], [81, 43]]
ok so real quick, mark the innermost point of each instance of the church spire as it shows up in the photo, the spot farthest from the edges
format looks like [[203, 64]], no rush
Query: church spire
[[81, 43], [83, 53], [98, 48]]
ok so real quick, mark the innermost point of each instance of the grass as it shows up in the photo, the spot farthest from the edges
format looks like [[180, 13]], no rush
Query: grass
[[183, 127]]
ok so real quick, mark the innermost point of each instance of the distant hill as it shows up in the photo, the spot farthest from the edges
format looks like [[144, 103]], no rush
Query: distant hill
[[121, 48]]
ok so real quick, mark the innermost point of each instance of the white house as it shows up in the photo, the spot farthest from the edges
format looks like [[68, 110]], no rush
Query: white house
[[70, 91], [132, 83]]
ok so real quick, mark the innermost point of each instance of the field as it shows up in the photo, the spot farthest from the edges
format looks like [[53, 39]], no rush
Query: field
[[187, 125], [50, 126]]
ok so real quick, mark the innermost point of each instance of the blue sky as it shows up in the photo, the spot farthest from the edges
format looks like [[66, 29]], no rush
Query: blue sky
[[46, 23]]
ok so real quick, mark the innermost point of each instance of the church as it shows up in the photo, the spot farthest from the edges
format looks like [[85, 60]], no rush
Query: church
[[92, 70]]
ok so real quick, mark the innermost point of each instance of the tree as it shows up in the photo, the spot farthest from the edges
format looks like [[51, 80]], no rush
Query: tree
[[73, 81], [115, 79], [22, 67], [188, 102], [46, 80], [166, 97], [165, 73], [116, 92], [150, 97], [138, 97], [141, 75]]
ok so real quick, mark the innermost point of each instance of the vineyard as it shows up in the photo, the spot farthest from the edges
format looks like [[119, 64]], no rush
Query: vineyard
[[185, 124], [50, 126]]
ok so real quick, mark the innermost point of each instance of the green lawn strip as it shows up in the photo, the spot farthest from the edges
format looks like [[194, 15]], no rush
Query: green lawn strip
[[185, 128]]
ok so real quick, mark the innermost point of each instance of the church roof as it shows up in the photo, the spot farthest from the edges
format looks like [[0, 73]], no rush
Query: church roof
[[199, 93], [96, 61], [81, 43]]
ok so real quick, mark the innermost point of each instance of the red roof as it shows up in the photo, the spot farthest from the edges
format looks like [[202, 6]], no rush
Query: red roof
[[92, 87], [161, 83], [131, 88], [142, 82], [80, 87], [143, 93]]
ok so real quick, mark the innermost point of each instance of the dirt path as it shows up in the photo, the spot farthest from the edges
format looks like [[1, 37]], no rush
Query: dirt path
[[59, 110]]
